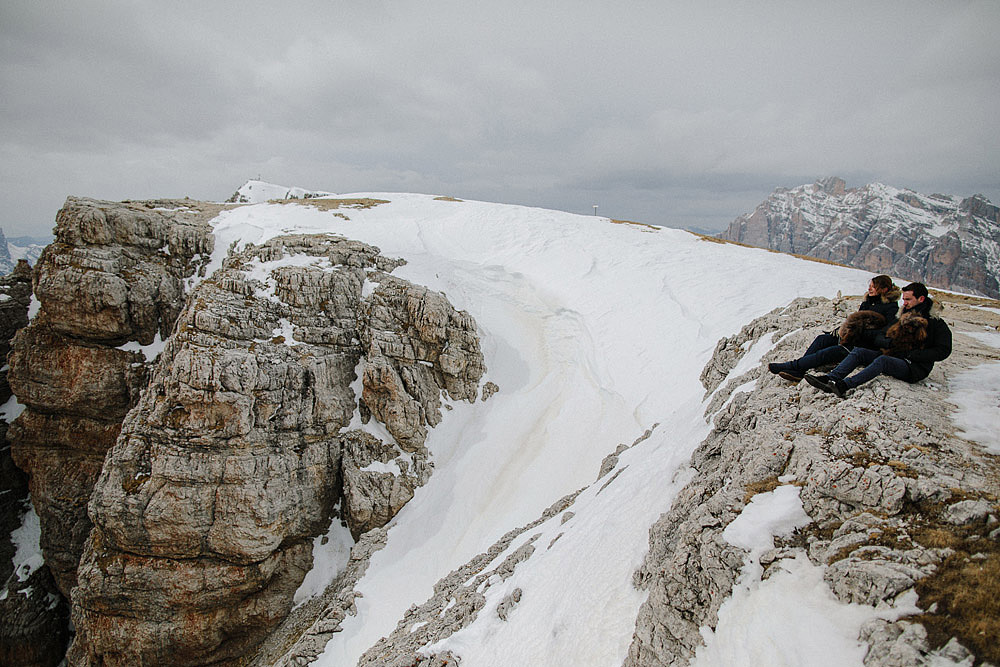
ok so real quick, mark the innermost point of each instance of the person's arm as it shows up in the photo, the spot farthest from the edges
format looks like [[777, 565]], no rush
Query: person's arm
[[938, 345]]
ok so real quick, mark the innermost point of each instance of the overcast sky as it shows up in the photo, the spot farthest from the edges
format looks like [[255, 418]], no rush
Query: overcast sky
[[681, 114]]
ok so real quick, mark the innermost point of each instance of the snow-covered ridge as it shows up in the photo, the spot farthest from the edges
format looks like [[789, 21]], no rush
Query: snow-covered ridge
[[259, 192]]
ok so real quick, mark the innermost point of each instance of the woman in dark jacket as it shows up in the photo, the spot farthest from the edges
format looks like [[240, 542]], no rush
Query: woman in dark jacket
[[832, 347]]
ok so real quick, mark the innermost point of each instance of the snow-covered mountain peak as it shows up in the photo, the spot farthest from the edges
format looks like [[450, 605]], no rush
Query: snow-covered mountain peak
[[942, 240]]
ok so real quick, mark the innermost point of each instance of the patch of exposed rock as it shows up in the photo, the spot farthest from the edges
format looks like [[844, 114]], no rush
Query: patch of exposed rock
[[898, 501]]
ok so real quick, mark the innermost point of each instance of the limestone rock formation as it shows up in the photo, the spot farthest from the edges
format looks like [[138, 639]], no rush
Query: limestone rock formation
[[33, 616], [941, 240], [179, 496], [114, 274], [882, 476]]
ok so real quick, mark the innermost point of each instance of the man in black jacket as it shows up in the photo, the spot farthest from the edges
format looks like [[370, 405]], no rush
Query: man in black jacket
[[911, 366]]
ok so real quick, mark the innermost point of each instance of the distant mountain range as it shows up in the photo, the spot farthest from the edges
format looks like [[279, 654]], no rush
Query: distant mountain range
[[942, 240], [19, 247]]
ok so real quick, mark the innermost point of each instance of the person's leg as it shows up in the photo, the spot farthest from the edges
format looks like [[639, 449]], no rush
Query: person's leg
[[794, 370], [822, 341], [859, 356], [834, 382], [881, 365], [823, 357]]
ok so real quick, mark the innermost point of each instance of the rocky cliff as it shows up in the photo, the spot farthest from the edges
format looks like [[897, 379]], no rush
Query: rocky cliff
[[33, 616], [896, 503], [188, 435], [941, 240]]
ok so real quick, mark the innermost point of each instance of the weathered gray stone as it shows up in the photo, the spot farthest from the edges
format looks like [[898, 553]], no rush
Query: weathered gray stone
[[373, 496], [877, 487], [236, 450], [967, 511]]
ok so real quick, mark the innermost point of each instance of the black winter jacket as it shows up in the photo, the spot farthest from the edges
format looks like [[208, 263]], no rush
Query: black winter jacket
[[936, 347], [885, 305]]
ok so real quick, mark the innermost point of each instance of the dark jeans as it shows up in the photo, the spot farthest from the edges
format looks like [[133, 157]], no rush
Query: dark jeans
[[822, 341], [823, 351], [875, 364]]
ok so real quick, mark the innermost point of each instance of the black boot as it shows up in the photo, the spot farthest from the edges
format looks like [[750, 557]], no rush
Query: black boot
[[829, 384], [784, 370]]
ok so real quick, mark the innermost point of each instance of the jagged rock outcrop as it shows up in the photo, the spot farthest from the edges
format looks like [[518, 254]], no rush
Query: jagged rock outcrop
[[881, 475], [179, 497], [941, 240], [15, 298], [33, 616], [115, 273]]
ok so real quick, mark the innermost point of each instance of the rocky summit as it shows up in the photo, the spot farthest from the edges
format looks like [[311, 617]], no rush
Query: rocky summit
[[263, 433], [942, 240]]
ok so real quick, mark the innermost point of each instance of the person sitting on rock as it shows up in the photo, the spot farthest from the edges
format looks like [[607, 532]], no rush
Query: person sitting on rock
[[907, 351], [877, 311]]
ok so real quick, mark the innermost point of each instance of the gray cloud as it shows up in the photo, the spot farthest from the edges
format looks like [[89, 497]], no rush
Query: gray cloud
[[668, 113]]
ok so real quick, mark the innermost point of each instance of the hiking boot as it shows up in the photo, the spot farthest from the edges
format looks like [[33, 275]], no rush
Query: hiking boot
[[782, 372], [829, 384]]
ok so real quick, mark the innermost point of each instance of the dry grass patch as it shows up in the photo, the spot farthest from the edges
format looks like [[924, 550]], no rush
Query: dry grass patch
[[964, 299], [715, 239], [762, 486], [446, 199], [962, 599], [333, 204], [637, 224]]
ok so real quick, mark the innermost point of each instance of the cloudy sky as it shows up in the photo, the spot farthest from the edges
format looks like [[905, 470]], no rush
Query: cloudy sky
[[672, 113]]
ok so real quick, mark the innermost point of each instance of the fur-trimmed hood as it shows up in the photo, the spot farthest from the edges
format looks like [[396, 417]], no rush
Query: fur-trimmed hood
[[892, 295]]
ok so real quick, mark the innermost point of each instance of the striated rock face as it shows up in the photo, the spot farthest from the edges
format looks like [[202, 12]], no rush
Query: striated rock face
[[941, 240], [179, 497], [15, 298], [33, 616], [115, 274]]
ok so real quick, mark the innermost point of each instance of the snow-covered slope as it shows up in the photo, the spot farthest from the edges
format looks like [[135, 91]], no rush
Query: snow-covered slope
[[595, 332], [258, 192], [945, 241]]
